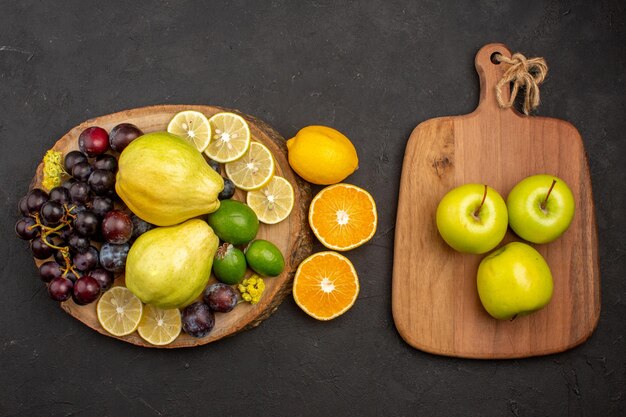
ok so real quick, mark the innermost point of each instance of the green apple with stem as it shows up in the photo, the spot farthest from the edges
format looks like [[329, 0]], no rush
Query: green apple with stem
[[541, 208], [472, 218], [514, 280]]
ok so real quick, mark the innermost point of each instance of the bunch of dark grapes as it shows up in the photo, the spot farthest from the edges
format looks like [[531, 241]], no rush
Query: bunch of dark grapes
[[82, 226]]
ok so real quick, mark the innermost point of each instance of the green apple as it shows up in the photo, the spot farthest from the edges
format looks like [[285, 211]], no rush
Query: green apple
[[514, 280], [472, 218], [541, 208]]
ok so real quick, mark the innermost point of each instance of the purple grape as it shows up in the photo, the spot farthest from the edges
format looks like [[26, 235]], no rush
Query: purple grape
[[198, 320], [76, 208], [71, 276], [101, 181], [65, 235], [140, 226], [86, 223], [122, 135], [105, 278], [49, 271], [80, 192], [93, 141], [117, 227], [36, 199], [60, 195], [23, 206], [60, 289], [67, 184], [86, 261], [51, 213], [73, 158], [40, 249], [78, 243], [228, 191], [113, 257], [86, 290], [81, 171], [101, 205], [106, 162], [220, 297], [58, 257], [26, 228]]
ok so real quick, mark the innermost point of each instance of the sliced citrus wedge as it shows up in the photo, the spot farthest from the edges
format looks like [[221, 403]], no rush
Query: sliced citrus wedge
[[326, 285], [273, 202], [343, 216], [192, 126], [230, 137], [253, 170], [159, 327], [119, 311]]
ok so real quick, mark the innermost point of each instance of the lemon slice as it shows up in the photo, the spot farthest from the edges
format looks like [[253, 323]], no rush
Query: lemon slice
[[273, 202], [159, 327], [192, 126], [119, 311], [230, 138], [253, 170]]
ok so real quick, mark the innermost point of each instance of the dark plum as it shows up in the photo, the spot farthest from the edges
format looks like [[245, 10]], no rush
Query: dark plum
[[86, 290], [93, 141], [105, 278], [101, 181], [215, 165], [81, 171], [220, 297], [26, 228], [80, 192], [73, 158], [140, 226], [40, 249], [106, 162], [101, 205], [117, 227], [49, 271], [122, 135], [35, 200], [60, 289], [60, 195], [228, 191], [51, 213], [86, 261], [198, 320], [78, 243], [86, 223], [113, 257]]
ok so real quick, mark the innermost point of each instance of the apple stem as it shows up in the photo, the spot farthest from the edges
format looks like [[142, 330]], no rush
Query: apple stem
[[545, 202], [477, 211]]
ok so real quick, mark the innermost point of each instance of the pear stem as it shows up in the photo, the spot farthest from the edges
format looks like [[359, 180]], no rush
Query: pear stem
[[477, 211], [545, 202]]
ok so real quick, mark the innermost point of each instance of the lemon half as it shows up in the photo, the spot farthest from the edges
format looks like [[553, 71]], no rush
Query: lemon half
[[119, 311], [230, 137], [253, 170], [158, 326], [273, 202], [192, 126]]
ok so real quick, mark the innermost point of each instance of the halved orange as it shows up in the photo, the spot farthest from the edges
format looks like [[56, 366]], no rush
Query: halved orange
[[343, 216], [326, 285]]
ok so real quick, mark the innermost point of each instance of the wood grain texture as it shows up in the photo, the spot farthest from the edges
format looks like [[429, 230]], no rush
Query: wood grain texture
[[292, 236], [435, 302]]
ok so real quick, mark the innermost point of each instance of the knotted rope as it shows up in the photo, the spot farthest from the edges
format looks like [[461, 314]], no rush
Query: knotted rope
[[523, 72]]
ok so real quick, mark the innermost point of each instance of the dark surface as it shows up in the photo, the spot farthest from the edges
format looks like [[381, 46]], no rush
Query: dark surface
[[372, 70]]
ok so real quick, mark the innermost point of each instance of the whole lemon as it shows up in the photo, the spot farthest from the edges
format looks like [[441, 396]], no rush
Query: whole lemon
[[322, 155]]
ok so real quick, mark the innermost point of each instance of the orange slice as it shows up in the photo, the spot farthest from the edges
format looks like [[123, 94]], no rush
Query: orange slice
[[326, 285], [343, 216]]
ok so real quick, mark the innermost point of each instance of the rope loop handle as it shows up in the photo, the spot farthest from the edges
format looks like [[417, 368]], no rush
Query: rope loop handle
[[524, 72]]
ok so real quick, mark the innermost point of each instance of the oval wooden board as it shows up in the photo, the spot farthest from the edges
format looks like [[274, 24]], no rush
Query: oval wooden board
[[435, 302], [292, 236]]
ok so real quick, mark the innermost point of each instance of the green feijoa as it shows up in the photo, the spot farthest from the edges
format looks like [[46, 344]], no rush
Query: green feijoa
[[229, 265], [234, 222], [265, 258]]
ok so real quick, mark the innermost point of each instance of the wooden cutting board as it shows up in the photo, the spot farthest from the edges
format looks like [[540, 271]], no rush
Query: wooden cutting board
[[292, 236], [435, 302]]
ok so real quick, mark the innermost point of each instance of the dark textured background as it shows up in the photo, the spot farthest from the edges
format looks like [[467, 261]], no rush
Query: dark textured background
[[371, 69]]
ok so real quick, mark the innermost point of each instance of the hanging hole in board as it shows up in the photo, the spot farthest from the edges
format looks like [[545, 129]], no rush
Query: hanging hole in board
[[494, 58]]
